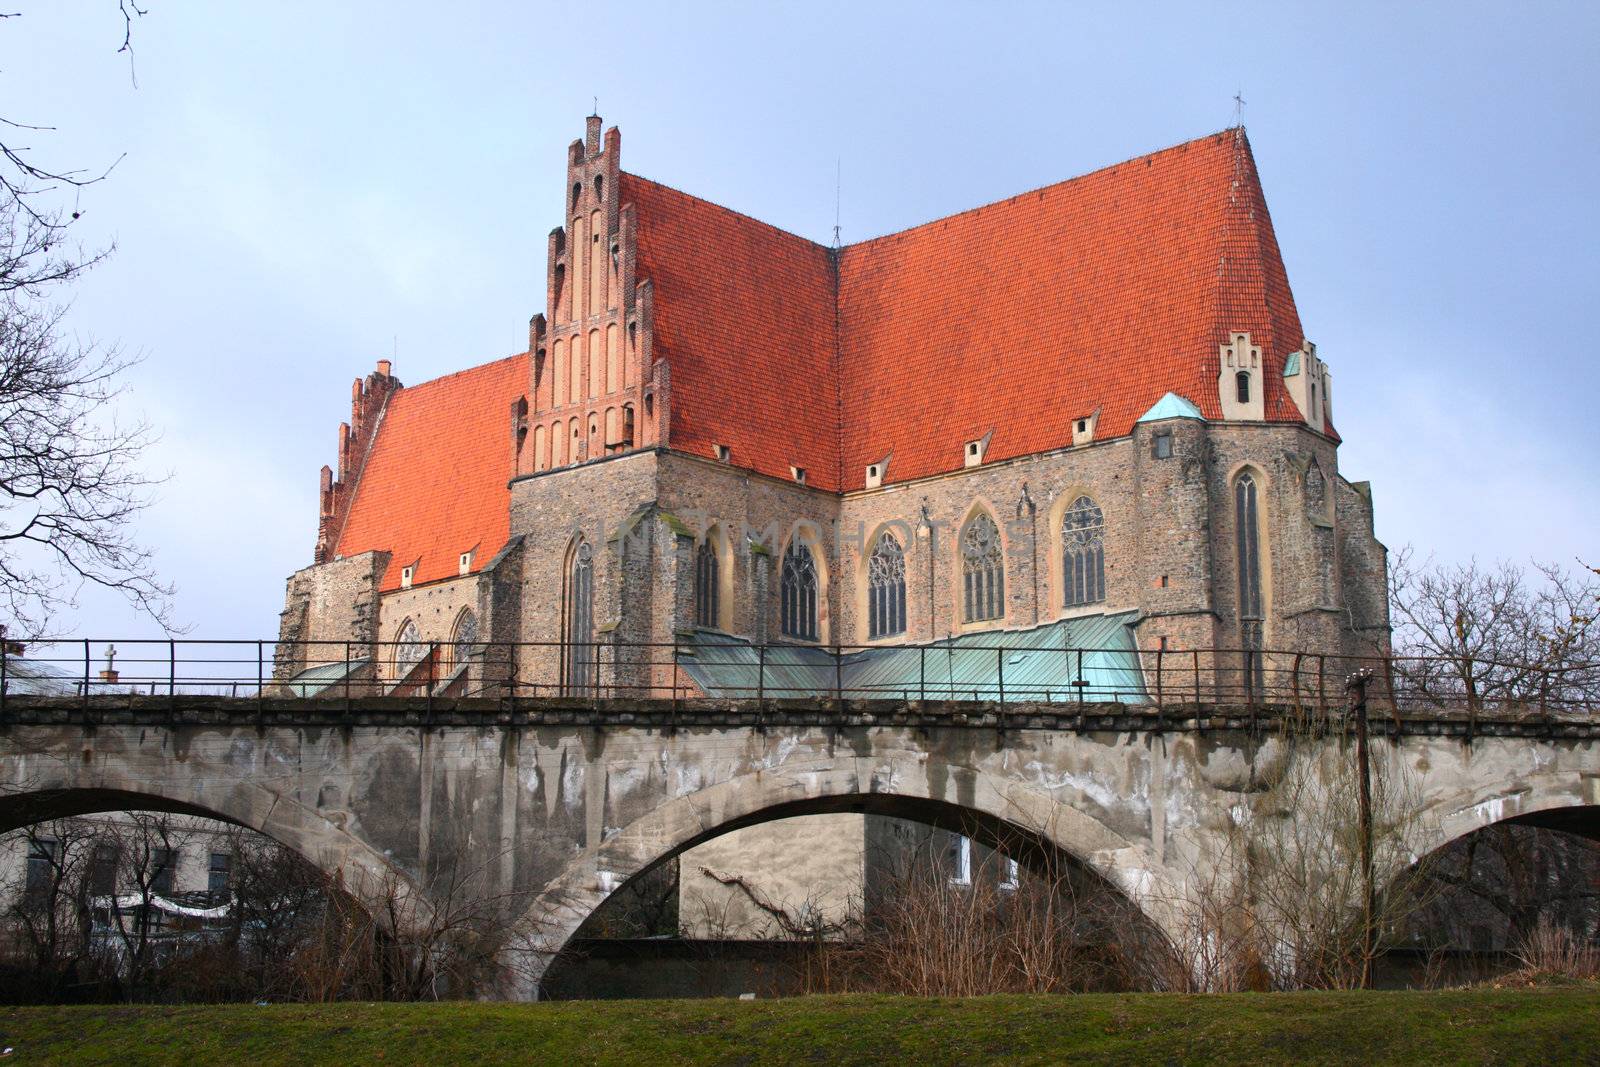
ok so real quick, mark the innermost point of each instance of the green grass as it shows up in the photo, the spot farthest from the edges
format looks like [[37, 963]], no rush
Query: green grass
[[1539, 1025]]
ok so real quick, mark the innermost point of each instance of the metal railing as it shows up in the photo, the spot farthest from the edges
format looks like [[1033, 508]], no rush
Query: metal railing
[[991, 671]]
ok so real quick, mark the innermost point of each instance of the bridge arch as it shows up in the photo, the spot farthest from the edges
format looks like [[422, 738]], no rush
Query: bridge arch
[[1552, 797], [995, 810], [365, 874]]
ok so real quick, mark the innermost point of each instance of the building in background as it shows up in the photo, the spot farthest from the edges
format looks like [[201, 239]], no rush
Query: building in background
[[736, 462]]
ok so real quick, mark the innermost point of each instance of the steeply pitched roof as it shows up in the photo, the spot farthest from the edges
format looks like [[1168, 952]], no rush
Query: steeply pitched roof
[[744, 317], [436, 482], [1104, 292]]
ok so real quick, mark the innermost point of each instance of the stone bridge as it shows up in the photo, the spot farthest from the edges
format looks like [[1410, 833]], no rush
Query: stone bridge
[[556, 803]]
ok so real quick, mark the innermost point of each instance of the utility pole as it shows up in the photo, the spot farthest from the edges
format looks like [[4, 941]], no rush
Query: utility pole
[[1356, 698]]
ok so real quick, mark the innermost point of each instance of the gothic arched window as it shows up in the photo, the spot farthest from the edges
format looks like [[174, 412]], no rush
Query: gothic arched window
[[707, 584], [463, 637], [1083, 554], [579, 637], [1247, 535], [798, 588], [1242, 386], [983, 570], [408, 650], [886, 588]]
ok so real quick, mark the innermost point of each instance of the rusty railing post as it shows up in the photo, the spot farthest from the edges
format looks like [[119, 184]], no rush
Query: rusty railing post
[[1160, 654], [1000, 674], [86, 675], [1356, 696], [761, 673]]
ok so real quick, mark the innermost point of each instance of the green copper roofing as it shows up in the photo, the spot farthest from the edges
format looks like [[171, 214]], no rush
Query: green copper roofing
[[1291, 366], [313, 681], [1043, 664], [1172, 406]]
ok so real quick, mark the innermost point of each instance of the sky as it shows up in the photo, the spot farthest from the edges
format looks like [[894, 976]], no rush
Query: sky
[[304, 187]]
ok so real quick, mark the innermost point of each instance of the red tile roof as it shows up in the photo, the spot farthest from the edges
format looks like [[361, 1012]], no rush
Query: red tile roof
[[436, 482], [1101, 292], [744, 316]]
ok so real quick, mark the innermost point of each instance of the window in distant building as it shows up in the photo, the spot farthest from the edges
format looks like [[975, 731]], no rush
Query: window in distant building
[[798, 591], [982, 570], [1083, 554], [581, 673], [886, 588], [163, 870], [219, 876], [41, 872]]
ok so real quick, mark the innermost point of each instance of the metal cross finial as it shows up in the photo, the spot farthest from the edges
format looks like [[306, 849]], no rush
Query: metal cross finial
[[1238, 108]]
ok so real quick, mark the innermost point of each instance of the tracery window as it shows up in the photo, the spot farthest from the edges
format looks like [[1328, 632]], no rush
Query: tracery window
[[707, 589], [983, 570], [798, 589], [1083, 554], [580, 648], [1247, 533], [408, 650], [464, 637], [886, 588]]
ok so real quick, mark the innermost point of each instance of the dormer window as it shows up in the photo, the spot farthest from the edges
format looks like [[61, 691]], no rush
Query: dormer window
[[874, 475], [406, 574], [1242, 385], [1083, 425], [724, 454], [466, 562], [799, 474]]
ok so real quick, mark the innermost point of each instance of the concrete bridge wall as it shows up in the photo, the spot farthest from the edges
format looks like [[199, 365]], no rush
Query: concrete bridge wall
[[554, 805]]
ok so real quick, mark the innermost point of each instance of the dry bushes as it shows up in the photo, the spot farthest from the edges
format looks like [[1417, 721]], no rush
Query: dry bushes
[[1550, 950], [926, 934]]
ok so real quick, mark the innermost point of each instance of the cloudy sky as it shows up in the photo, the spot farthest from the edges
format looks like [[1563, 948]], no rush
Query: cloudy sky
[[306, 187]]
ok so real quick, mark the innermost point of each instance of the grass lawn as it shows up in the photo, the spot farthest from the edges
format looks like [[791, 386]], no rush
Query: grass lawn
[[1559, 1024]]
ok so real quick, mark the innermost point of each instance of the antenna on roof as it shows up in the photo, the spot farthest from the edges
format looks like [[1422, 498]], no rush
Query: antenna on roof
[[1238, 108], [596, 110], [838, 186]]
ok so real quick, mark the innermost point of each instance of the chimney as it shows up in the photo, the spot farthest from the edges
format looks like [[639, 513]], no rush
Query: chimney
[[384, 367]]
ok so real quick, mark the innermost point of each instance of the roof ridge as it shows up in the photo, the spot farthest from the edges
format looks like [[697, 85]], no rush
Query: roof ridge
[[729, 210], [952, 215], [1169, 149]]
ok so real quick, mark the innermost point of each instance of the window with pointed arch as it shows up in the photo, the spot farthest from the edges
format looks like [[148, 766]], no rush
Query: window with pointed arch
[[707, 583], [886, 588], [1247, 536], [983, 570], [463, 637], [1083, 554], [580, 659], [408, 650], [798, 591]]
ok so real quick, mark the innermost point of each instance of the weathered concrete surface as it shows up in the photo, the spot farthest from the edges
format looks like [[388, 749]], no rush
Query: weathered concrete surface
[[555, 816]]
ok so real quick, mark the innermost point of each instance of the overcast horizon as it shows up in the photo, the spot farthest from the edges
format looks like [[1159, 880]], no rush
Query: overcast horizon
[[303, 191]]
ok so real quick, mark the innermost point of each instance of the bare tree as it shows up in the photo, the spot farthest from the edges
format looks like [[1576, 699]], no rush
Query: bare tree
[[70, 481], [1495, 635]]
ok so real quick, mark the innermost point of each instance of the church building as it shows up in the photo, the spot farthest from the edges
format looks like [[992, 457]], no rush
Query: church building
[[733, 461]]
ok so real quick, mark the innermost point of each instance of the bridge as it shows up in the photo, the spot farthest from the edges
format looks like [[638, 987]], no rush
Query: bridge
[[557, 801]]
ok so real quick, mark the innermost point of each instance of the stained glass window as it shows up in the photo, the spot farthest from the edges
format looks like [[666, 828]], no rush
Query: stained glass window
[[886, 588], [982, 570], [798, 589], [1083, 554]]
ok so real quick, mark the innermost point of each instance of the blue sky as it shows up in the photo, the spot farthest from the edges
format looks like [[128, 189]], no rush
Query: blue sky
[[307, 186]]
